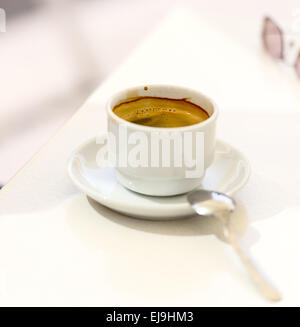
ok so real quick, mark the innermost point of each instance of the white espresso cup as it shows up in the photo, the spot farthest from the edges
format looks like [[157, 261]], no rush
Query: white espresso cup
[[161, 161]]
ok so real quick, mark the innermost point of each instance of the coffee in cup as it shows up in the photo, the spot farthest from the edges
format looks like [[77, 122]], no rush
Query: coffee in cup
[[162, 138], [160, 112]]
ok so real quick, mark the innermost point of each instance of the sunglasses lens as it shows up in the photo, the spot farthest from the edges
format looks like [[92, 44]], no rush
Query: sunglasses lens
[[297, 66], [272, 39]]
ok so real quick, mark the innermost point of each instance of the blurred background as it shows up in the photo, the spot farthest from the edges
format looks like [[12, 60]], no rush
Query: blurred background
[[55, 53]]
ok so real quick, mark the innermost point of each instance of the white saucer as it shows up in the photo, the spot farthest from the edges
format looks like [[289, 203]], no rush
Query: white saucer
[[228, 173]]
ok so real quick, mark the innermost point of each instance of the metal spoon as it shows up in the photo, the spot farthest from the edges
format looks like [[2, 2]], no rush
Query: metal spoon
[[219, 205]]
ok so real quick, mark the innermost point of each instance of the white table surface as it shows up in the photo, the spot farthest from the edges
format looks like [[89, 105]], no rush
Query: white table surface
[[59, 248]]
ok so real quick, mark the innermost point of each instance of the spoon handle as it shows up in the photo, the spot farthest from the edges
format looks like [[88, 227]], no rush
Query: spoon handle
[[267, 289]]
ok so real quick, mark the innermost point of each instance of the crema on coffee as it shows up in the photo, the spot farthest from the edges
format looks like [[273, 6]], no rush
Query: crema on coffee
[[160, 112]]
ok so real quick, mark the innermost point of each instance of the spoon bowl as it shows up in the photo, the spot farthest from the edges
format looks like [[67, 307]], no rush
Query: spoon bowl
[[210, 203]]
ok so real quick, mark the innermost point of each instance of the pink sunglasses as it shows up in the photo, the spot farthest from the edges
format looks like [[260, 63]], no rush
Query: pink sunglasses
[[273, 42]]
